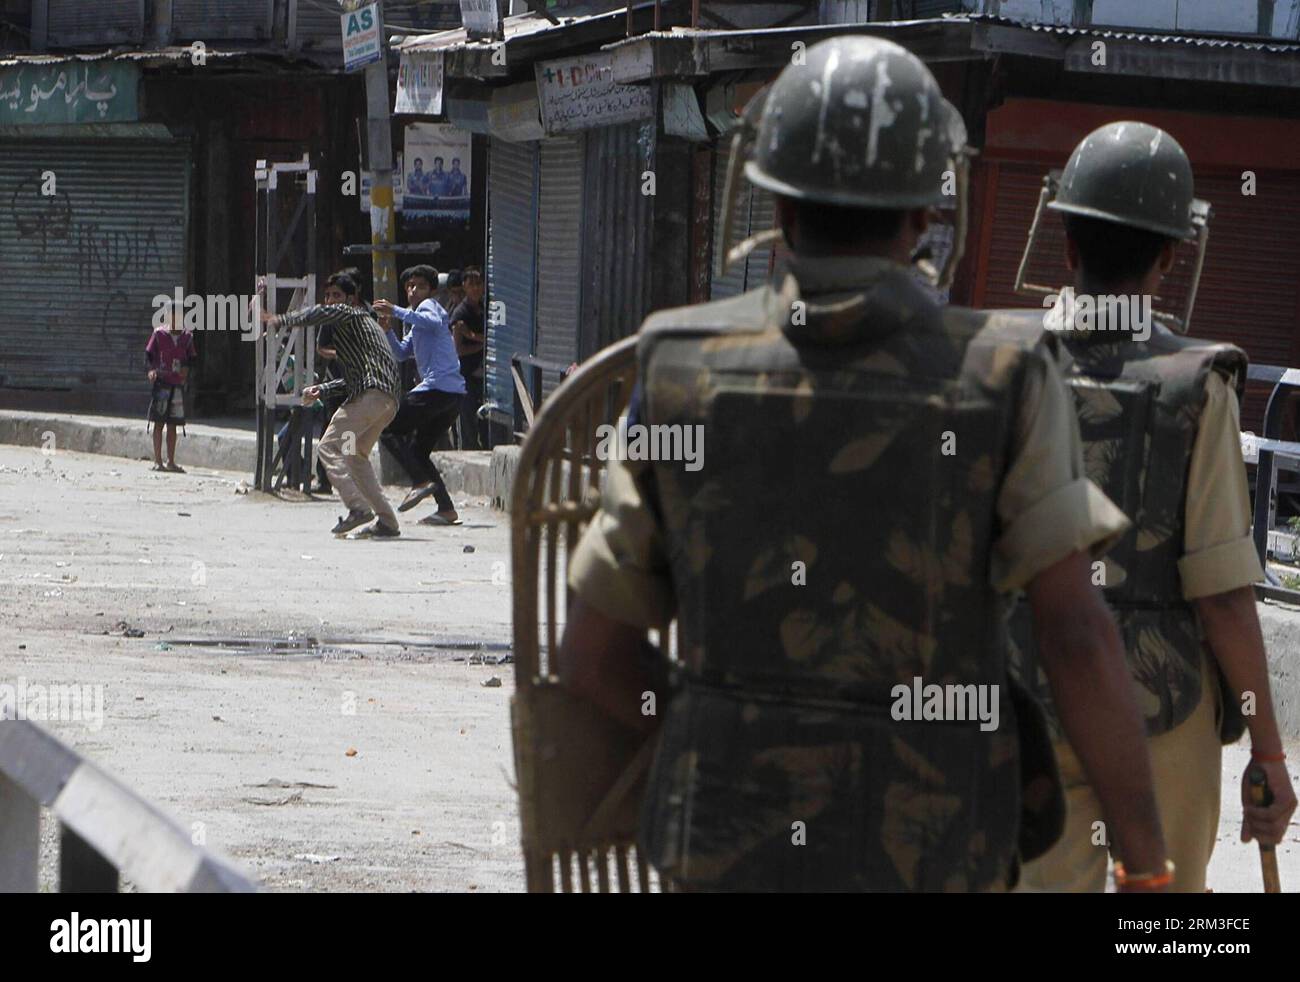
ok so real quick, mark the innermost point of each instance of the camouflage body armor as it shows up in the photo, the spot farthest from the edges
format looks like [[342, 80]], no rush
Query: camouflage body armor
[[799, 614], [1138, 406]]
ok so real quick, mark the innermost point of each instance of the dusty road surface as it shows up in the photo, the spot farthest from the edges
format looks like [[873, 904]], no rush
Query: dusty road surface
[[329, 646], [364, 646]]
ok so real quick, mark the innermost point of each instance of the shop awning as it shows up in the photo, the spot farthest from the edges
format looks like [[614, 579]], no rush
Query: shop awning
[[683, 53]]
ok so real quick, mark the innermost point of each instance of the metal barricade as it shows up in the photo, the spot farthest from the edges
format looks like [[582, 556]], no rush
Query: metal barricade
[[107, 833], [1271, 453], [528, 372]]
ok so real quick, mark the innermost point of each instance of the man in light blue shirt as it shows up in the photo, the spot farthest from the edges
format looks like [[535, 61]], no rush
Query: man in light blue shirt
[[428, 410]]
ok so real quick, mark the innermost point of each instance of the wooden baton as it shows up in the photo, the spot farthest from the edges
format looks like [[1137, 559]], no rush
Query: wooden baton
[[1262, 795]]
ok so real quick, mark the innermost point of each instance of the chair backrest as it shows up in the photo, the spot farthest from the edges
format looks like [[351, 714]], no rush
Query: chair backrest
[[585, 820]]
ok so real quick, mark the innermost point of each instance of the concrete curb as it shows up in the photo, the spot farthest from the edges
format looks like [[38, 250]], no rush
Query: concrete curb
[[470, 472]]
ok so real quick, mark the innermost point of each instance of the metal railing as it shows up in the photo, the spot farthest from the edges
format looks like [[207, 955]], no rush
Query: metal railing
[[528, 372], [1272, 454], [107, 832]]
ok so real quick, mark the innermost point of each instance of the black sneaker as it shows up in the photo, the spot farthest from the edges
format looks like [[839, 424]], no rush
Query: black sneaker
[[377, 531], [353, 519]]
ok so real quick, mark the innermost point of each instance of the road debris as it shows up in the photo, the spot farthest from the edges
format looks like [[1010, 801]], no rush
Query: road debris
[[275, 802]]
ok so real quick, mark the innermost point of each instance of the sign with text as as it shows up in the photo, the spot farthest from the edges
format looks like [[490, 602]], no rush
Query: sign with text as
[[362, 44]]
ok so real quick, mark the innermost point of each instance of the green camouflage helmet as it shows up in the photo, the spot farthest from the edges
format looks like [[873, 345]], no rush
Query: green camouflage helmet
[[1131, 173], [861, 123]]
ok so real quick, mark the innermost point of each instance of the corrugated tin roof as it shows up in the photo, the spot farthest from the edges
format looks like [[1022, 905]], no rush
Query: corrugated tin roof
[[518, 26], [1147, 37], [1196, 40], [155, 54]]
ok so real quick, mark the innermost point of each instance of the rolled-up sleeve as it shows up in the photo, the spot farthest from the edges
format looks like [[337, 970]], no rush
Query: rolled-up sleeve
[[1218, 552], [1047, 506], [619, 565]]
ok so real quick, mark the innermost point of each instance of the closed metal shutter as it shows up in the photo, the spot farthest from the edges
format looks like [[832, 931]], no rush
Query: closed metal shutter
[[845, 11], [81, 267], [78, 22], [1248, 289], [617, 237], [755, 212], [1242, 298], [559, 253], [860, 11], [195, 20], [314, 26], [512, 233], [932, 8]]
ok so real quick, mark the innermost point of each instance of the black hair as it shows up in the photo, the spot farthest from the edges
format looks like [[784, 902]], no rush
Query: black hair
[[428, 273], [344, 281], [470, 273], [454, 277], [838, 227], [1111, 252]]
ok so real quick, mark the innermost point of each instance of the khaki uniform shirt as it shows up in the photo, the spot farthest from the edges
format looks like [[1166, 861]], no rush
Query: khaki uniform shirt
[[1219, 553], [1047, 508]]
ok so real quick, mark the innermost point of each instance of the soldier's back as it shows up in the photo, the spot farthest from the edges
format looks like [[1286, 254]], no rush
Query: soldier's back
[[835, 545]]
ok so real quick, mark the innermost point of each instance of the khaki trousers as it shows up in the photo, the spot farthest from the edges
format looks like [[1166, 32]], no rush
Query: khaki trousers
[[1186, 764], [345, 452]]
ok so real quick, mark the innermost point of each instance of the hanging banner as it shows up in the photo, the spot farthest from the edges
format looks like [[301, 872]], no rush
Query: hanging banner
[[482, 19], [436, 180], [419, 84], [580, 93], [98, 92], [361, 42]]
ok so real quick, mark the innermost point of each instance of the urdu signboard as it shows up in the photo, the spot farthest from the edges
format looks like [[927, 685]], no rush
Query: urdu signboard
[[580, 93]]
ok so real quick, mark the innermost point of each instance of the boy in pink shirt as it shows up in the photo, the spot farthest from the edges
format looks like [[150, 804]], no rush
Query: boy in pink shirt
[[170, 353]]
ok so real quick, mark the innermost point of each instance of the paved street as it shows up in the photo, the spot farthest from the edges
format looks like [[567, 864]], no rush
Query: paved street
[[253, 742]]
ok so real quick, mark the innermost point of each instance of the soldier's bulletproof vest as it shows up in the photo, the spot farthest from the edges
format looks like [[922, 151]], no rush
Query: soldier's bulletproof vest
[[1138, 405], [831, 556]]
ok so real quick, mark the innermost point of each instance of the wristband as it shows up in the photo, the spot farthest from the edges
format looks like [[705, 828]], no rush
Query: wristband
[[1276, 758], [1144, 881]]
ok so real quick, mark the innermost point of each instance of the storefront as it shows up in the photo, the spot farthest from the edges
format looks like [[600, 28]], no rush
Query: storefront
[[97, 226]]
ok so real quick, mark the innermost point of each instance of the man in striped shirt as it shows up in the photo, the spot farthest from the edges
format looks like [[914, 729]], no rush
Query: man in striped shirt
[[370, 377]]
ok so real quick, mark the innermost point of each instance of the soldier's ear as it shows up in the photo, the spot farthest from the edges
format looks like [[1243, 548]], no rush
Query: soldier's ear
[[1071, 254], [1168, 256], [785, 217]]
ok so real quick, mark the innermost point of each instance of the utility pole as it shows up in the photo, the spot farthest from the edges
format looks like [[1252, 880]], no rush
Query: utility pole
[[379, 128]]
